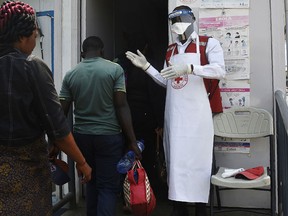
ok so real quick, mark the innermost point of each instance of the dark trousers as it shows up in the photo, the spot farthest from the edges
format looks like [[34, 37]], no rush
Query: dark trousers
[[102, 153]]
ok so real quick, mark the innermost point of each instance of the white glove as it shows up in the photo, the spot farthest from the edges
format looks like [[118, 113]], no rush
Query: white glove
[[174, 71], [138, 60]]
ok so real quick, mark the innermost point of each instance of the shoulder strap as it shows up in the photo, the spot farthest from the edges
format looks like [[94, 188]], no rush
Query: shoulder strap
[[212, 85], [171, 50], [203, 40]]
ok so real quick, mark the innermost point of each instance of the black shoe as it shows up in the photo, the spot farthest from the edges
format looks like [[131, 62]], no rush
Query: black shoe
[[200, 209], [179, 209]]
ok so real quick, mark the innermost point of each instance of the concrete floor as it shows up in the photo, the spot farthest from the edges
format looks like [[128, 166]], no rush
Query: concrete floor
[[163, 208]]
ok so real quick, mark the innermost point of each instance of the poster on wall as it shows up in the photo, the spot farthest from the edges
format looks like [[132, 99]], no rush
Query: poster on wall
[[235, 93], [231, 28], [224, 4]]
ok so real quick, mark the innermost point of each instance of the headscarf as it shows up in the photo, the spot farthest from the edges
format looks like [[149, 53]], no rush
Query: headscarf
[[17, 19]]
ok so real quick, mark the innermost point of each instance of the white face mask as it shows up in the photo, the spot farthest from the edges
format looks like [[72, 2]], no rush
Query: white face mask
[[179, 27]]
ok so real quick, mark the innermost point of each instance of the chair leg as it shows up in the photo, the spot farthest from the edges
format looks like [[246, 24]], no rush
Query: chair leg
[[211, 200], [214, 171], [218, 197]]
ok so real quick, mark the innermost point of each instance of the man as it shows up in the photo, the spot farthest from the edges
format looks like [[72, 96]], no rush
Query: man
[[188, 126], [97, 88], [146, 101]]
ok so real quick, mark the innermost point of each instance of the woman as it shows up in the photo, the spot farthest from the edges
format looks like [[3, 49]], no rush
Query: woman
[[29, 109]]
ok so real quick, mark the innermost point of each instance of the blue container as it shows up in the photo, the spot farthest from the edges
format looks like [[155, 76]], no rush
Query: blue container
[[128, 159]]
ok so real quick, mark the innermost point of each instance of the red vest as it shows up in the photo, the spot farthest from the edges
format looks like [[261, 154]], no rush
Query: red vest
[[211, 85]]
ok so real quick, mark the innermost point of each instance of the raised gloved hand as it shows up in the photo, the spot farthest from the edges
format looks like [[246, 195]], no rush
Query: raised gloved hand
[[174, 71], [138, 60]]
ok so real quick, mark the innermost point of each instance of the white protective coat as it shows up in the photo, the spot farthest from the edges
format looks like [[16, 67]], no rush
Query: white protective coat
[[188, 127]]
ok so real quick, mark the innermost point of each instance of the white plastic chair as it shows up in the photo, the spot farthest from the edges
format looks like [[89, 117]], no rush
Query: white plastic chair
[[241, 123]]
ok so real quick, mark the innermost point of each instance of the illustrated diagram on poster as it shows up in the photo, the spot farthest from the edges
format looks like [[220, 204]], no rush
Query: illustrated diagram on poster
[[237, 69], [235, 93], [231, 28], [225, 3], [228, 145]]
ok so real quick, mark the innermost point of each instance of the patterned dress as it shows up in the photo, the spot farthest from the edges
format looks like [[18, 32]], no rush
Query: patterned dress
[[25, 181], [29, 108]]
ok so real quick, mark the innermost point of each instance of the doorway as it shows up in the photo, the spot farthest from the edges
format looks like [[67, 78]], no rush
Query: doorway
[[117, 21]]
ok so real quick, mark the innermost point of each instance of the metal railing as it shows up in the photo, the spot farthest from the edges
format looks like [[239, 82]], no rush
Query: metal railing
[[282, 152], [70, 196]]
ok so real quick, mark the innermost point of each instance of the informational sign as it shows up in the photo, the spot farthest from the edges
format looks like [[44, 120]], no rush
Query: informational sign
[[231, 28], [235, 93], [232, 145]]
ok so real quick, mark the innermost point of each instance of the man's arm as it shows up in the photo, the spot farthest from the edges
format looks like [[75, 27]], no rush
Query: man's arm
[[125, 121], [65, 105]]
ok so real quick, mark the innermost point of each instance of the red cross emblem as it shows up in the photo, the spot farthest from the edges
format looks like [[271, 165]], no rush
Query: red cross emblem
[[179, 82], [178, 79]]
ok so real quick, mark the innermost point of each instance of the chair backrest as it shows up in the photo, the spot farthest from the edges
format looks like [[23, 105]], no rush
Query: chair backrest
[[243, 122]]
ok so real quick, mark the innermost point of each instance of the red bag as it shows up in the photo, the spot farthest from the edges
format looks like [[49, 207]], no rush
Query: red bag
[[138, 195]]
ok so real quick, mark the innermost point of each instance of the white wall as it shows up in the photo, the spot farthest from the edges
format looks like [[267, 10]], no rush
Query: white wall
[[66, 23], [70, 34], [51, 28]]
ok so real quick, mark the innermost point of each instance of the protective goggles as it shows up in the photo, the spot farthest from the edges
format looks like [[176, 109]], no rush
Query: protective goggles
[[182, 15]]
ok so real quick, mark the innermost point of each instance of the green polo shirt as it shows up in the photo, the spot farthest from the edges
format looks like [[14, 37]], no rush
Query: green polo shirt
[[91, 85]]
